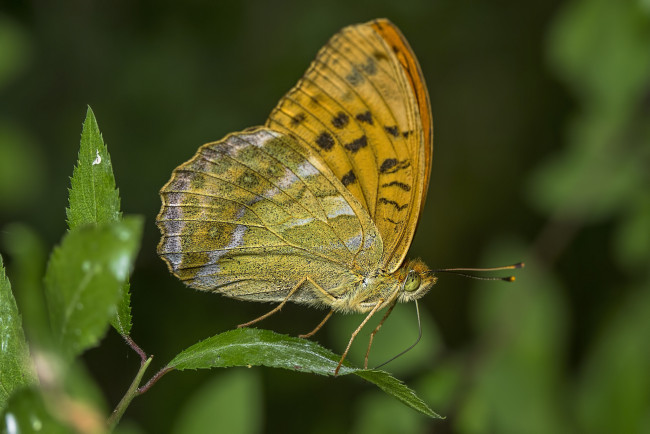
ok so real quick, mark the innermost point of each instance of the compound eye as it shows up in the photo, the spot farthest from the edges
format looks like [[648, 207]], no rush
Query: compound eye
[[412, 281]]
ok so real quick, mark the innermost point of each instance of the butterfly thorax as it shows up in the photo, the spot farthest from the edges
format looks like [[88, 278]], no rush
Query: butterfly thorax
[[409, 282]]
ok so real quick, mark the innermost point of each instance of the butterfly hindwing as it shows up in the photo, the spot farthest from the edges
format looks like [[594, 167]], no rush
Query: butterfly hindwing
[[254, 214]]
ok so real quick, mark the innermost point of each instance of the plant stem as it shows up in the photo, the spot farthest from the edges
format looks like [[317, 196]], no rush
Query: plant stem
[[153, 379], [128, 396], [136, 348]]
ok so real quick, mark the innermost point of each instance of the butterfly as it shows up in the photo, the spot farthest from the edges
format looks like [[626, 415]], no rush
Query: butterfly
[[319, 206]]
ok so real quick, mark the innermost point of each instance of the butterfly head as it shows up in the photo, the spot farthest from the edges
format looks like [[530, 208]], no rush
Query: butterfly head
[[416, 280]]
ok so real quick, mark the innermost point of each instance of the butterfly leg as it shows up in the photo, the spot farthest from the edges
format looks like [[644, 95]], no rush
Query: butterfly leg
[[374, 332], [318, 327], [320, 291], [278, 307], [356, 332], [328, 299]]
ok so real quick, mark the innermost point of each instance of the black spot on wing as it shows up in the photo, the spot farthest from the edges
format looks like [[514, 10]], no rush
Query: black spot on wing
[[392, 130], [379, 55], [388, 164], [393, 203], [357, 144], [364, 117], [354, 77], [325, 141], [391, 165], [297, 119], [348, 178], [401, 185], [370, 67], [340, 120]]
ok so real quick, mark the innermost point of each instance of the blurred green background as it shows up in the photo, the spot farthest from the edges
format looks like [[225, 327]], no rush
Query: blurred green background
[[541, 154]]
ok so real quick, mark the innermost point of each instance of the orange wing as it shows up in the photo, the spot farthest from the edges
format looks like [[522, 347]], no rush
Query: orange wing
[[364, 107]]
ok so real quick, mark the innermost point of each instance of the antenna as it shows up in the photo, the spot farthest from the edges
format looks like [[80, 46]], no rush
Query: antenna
[[461, 272]]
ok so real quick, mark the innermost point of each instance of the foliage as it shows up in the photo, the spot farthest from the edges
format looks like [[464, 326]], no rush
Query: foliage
[[16, 370], [251, 347]]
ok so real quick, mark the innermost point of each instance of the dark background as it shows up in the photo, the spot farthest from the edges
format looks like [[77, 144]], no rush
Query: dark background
[[541, 154]]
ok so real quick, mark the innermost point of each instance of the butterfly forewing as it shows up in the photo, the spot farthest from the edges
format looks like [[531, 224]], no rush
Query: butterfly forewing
[[253, 214], [358, 107]]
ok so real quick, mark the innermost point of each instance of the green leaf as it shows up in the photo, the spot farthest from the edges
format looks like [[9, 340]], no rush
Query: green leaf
[[84, 280], [121, 321], [15, 366], [254, 347], [93, 196], [397, 389], [95, 199]]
